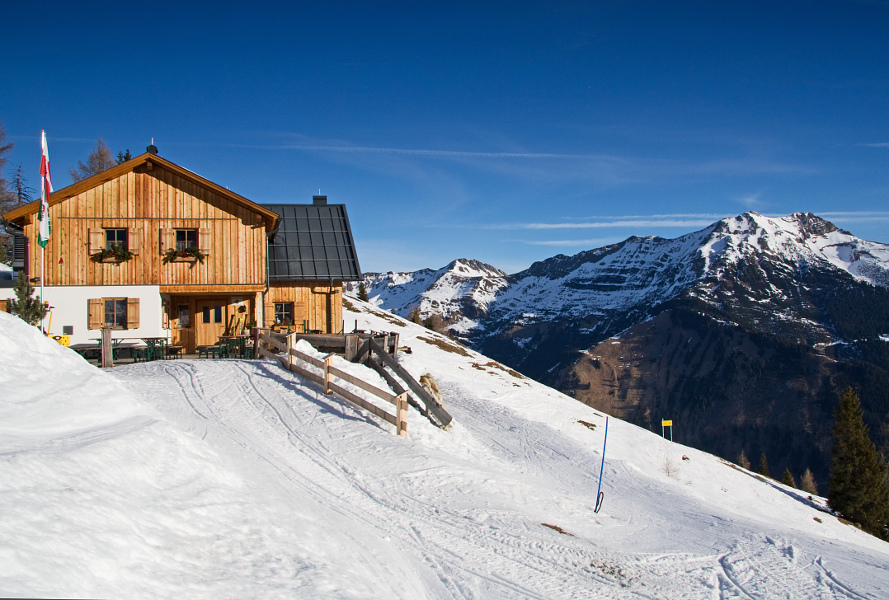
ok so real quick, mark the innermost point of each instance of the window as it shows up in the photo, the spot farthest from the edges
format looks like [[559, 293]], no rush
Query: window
[[116, 313], [186, 238], [212, 314], [115, 237], [284, 312], [184, 321]]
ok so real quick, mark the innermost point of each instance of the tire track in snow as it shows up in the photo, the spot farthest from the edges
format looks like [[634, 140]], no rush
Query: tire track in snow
[[772, 570]]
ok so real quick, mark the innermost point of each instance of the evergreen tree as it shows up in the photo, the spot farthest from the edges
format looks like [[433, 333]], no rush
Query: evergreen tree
[[24, 305], [857, 475], [122, 158], [763, 465], [807, 483], [787, 478], [99, 160], [362, 292], [743, 460]]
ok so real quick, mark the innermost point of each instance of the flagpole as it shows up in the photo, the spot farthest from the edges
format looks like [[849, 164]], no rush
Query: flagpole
[[43, 227]]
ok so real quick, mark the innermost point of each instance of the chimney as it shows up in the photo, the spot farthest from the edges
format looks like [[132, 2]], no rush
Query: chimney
[[152, 149], [319, 200]]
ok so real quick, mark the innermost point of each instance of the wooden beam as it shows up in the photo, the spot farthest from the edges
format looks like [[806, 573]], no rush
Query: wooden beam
[[437, 414]]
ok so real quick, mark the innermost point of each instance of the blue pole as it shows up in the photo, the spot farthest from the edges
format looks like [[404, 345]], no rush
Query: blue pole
[[599, 495]]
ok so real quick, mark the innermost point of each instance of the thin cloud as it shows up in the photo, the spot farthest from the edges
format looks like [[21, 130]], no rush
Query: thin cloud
[[565, 243], [876, 145], [751, 202], [668, 223]]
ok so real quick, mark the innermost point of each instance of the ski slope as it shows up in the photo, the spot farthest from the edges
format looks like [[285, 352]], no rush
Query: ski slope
[[235, 479]]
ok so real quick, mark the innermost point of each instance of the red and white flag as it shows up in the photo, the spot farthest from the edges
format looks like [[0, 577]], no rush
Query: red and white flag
[[43, 229]]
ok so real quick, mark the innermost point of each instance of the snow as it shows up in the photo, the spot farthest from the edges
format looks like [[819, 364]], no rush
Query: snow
[[226, 478]]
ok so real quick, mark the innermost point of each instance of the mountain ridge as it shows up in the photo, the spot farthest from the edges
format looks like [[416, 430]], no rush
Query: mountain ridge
[[800, 294]]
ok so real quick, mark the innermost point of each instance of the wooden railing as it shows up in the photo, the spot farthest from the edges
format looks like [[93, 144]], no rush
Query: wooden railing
[[288, 355]]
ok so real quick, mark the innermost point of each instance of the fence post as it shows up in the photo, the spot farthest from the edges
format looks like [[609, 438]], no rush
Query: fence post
[[401, 414], [107, 352], [289, 339], [327, 360]]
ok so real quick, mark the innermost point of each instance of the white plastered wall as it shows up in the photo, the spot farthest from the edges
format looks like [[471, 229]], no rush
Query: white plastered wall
[[70, 306]]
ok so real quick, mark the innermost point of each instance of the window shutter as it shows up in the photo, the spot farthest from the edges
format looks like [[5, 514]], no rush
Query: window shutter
[[166, 239], [134, 240], [132, 313], [204, 239], [96, 313], [97, 240], [269, 316]]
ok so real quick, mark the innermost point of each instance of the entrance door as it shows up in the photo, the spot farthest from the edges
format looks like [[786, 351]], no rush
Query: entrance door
[[210, 317]]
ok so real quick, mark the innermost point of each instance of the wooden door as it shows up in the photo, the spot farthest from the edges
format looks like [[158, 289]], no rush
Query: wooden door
[[210, 317]]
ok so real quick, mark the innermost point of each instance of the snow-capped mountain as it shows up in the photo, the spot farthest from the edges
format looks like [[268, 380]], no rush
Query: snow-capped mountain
[[460, 292], [751, 262], [790, 310]]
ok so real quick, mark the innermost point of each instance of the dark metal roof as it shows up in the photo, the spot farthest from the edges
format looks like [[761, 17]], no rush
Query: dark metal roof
[[312, 242]]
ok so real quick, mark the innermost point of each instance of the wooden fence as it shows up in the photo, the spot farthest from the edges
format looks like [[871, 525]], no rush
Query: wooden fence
[[284, 344]]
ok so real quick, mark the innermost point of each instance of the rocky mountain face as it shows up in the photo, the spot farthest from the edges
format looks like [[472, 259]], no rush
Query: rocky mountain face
[[741, 333]]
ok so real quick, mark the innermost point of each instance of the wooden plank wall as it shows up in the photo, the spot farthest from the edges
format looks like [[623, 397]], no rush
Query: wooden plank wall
[[149, 202], [310, 301]]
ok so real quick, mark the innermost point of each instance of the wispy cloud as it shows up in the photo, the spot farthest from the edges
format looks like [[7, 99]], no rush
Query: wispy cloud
[[592, 243], [702, 221], [876, 145], [751, 202]]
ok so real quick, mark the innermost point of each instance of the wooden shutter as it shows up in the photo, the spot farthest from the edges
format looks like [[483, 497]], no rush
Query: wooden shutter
[[134, 240], [269, 316], [205, 237], [96, 240], [132, 313], [166, 239], [96, 312]]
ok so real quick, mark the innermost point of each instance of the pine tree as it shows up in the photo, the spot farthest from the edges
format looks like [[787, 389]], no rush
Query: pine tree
[[763, 465], [807, 483], [787, 478], [743, 460], [99, 160], [24, 305], [857, 475], [362, 292]]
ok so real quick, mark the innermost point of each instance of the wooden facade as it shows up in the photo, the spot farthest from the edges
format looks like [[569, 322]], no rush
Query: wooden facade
[[151, 199], [151, 202], [317, 304]]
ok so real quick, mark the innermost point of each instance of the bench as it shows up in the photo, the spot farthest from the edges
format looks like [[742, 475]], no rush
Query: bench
[[206, 351]]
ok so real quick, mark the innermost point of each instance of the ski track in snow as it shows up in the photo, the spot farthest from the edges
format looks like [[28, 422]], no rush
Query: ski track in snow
[[239, 479], [467, 538]]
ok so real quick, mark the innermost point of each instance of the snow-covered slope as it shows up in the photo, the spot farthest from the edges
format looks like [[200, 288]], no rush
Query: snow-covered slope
[[238, 479]]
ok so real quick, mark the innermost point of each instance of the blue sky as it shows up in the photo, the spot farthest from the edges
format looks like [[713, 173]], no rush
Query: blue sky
[[503, 131]]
